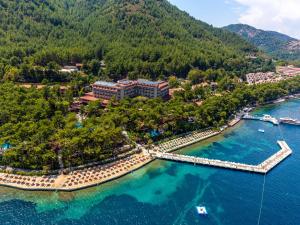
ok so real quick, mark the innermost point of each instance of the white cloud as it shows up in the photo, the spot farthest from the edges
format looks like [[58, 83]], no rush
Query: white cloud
[[279, 15]]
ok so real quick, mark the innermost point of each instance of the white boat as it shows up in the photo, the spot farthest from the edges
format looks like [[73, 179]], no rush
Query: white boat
[[291, 121], [261, 130], [201, 210]]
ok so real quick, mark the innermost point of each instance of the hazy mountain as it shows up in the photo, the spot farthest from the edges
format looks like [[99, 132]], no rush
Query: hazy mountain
[[276, 44]]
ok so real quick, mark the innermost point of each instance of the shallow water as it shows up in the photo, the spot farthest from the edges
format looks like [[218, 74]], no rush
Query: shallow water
[[166, 193]]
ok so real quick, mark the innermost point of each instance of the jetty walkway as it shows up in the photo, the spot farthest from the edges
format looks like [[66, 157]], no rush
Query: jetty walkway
[[265, 118], [262, 168]]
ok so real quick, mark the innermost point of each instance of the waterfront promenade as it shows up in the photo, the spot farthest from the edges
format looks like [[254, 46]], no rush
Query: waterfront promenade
[[96, 175], [262, 168], [77, 179]]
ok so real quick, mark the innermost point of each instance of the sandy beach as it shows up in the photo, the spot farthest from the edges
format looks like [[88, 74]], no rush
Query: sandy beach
[[78, 179], [96, 175]]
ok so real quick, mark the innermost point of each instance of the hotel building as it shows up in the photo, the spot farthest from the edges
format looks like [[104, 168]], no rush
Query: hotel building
[[128, 88]]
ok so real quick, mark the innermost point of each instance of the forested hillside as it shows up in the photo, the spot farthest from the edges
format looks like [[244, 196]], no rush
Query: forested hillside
[[278, 45], [134, 37], [37, 124]]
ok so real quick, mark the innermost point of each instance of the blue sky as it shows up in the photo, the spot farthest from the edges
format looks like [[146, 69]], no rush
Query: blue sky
[[278, 15], [216, 12]]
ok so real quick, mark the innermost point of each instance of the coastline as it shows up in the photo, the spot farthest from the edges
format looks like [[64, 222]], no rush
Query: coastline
[[57, 182]]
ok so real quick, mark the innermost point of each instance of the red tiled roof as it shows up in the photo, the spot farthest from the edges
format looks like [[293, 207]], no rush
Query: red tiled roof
[[88, 98]]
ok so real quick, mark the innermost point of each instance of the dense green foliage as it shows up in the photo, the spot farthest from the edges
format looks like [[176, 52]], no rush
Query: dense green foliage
[[114, 39], [276, 44], [38, 125], [134, 37]]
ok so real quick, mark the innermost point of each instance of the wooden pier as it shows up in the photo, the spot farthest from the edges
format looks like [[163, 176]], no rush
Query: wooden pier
[[262, 168]]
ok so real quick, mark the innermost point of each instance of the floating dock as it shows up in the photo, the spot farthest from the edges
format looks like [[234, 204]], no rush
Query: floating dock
[[265, 118], [262, 168]]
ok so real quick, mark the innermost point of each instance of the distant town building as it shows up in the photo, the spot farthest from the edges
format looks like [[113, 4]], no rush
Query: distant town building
[[289, 71], [130, 88], [69, 69], [282, 73], [259, 78]]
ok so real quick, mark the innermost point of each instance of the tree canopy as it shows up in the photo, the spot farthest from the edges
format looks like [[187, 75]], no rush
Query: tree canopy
[[38, 125], [135, 38]]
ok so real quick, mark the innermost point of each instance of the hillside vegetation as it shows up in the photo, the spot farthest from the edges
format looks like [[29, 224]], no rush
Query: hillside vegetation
[[38, 126], [134, 37], [278, 45]]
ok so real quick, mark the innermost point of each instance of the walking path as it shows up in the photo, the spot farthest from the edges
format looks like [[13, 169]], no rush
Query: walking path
[[186, 140], [263, 168]]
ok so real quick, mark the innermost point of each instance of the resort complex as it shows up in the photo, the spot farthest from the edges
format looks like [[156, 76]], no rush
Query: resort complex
[[133, 112], [259, 78], [88, 176], [130, 88], [282, 73], [288, 71], [95, 145]]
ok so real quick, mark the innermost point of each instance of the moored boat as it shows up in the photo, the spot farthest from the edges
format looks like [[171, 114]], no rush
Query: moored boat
[[291, 121]]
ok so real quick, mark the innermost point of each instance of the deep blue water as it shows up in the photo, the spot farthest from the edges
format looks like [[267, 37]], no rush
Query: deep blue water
[[166, 193]]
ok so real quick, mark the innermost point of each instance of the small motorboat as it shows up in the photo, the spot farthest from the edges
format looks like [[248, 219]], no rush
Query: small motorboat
[[201, 210], [261, 130]]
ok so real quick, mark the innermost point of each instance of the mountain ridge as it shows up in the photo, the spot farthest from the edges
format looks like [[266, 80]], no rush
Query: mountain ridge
[[276, 44], [134, 37]]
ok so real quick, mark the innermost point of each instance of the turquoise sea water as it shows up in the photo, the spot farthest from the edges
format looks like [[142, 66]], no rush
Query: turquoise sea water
[[166, 193]]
